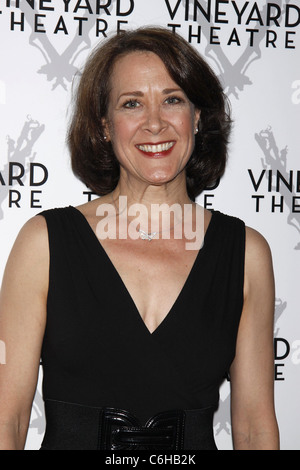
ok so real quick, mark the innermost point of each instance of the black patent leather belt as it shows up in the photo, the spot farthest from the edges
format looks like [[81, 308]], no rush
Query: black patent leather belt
[[77, 427]]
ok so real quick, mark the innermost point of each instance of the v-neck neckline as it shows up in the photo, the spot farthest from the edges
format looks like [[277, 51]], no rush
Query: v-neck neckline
[[101, 249]]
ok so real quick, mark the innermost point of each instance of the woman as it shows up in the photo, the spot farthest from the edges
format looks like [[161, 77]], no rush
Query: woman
[[135, 327]]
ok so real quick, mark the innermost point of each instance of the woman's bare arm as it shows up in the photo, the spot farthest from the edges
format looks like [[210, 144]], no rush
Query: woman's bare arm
[[22, 322], [252, 373]]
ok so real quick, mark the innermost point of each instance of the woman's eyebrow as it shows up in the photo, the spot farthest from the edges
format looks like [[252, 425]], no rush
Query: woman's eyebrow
[[137, 93], [131, 93], [167, 91]]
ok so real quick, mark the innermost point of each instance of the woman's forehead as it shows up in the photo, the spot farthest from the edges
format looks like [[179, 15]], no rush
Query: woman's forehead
[[140, 68]]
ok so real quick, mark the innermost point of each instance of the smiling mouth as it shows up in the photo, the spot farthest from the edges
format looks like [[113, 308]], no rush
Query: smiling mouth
[[157, 149]]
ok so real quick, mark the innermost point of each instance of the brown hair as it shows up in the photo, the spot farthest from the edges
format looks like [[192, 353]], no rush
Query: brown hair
[[93, 159]]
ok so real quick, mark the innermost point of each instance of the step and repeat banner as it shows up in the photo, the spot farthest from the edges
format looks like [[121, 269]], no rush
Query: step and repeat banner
[[254, 48]]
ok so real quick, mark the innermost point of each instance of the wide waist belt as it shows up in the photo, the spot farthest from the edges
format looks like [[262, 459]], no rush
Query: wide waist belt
[[76, 427]]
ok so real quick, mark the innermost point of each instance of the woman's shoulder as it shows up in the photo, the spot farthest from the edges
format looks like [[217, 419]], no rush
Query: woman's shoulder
[[256, 244], [31, 244], [258, 263], [28, 260], [33, 231]]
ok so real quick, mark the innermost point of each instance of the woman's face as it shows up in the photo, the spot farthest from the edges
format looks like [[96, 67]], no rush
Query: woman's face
[[150, 122]]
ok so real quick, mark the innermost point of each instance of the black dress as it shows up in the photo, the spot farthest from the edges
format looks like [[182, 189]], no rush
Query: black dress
[[101, 365]]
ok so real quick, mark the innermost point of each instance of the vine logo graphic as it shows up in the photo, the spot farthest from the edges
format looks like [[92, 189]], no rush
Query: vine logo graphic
[[21, 168], [246, 26], [87, 19], [280, 186]]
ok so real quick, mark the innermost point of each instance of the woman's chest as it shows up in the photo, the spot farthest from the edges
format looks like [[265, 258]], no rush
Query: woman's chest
[[153, 273]]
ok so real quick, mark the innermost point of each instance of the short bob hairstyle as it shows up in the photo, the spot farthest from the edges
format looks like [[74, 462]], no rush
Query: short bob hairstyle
[[93, 159]]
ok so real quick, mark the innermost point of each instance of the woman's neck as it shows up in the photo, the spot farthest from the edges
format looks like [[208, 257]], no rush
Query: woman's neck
[[156, 209], [174, 192]]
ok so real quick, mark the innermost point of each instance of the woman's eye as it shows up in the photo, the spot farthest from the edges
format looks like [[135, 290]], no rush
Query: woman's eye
[[173, 100], [131, 104]]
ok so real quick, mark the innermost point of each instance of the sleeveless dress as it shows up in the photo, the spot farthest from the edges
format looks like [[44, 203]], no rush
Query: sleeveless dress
[[98, 354]]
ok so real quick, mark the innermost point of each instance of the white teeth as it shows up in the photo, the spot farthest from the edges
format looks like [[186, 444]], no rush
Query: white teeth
[[156, 148]]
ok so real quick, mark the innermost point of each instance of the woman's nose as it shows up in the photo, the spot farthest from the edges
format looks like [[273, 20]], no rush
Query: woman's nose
[[154, 121]]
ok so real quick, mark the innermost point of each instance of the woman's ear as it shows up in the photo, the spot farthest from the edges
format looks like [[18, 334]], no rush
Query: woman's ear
[[105, 129], [197, 120]]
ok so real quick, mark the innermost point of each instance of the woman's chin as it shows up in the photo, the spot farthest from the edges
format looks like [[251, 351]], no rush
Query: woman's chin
[[160, 177]]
